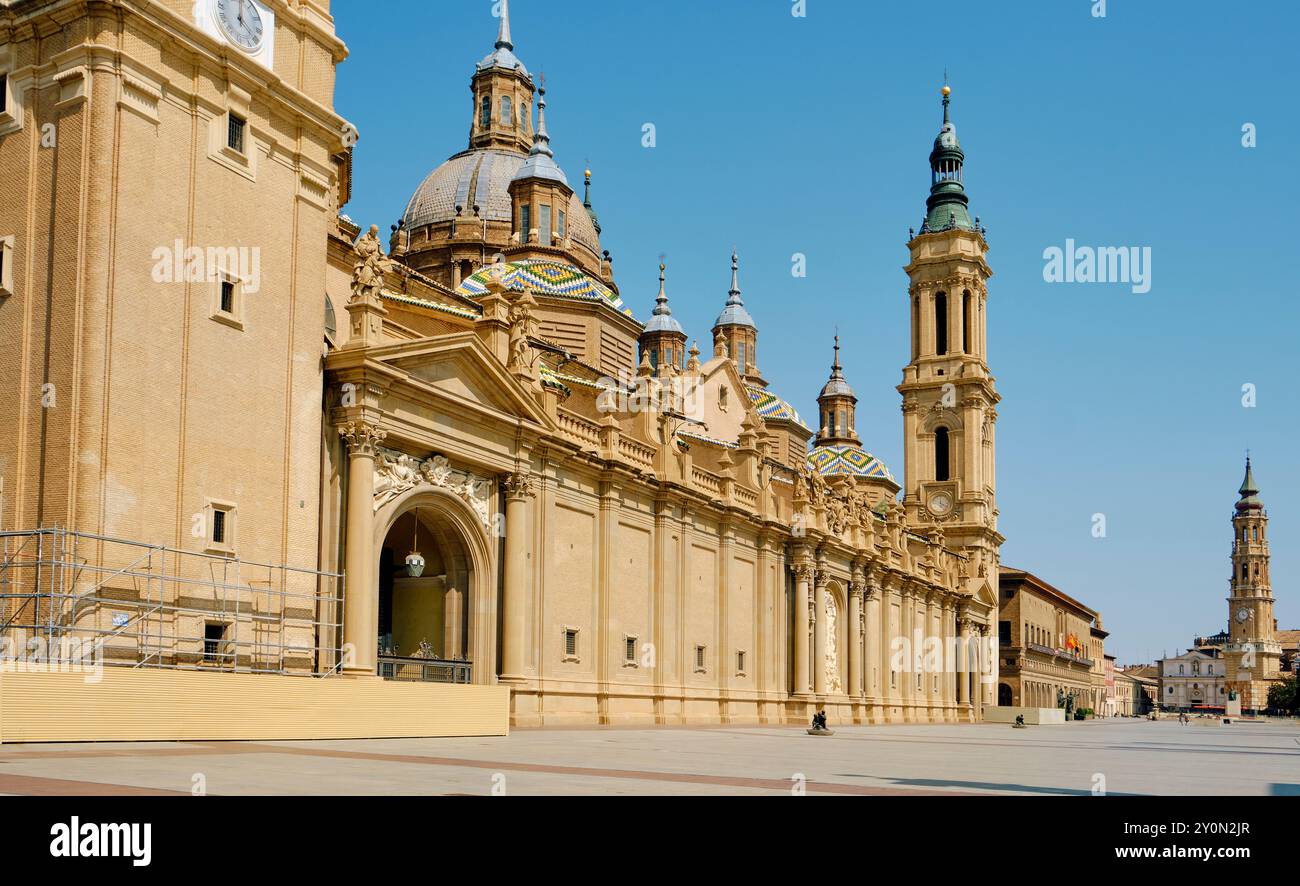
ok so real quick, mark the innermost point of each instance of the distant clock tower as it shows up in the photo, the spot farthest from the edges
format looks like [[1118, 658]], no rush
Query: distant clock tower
[[1252, 653]]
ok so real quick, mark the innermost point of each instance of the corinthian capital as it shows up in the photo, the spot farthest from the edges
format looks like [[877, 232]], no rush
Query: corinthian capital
[[362, 437], [519, 486]]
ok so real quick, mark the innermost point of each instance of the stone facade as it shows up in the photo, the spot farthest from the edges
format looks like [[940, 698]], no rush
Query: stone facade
[[470, 428]]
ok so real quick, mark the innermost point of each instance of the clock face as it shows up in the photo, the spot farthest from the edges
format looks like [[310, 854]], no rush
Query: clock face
[[940, 503], [1243, 615], [242, 23]]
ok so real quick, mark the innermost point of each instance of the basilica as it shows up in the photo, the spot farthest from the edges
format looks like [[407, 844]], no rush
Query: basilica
[[471, 464]]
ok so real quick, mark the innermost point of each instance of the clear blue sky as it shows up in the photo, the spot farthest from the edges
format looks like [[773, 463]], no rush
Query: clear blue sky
[[785, 135]]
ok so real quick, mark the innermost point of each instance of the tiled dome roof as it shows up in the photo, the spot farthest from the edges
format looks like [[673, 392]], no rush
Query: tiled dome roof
[[852, 461], [769, 405], [544, 278], [482, 178]]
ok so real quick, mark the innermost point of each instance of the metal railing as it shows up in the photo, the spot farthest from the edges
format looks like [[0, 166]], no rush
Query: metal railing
[[425, 670], [151, 606]]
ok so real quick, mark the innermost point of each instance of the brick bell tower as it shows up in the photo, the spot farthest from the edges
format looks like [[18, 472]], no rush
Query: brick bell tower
[[1252, 653], [949, 395]]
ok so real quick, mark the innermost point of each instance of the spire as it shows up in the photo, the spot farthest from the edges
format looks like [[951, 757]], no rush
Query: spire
[[503, 37], [542, 141], [662, 319], [1249, 491], [734, 314], [948, 206], [541, 159], [837, 386], [586, 201]]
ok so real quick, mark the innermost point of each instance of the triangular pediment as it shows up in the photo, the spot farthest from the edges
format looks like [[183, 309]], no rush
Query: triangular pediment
[[462, 369]]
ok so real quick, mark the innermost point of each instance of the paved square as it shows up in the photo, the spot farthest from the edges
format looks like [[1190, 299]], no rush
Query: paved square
[[1133, 756]]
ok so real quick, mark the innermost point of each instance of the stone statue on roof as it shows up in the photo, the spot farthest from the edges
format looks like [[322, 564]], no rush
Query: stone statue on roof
[[372, 264]]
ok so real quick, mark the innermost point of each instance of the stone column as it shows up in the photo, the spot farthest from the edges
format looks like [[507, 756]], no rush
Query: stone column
[[963, 660], [803, 579], [907, 676], [514, 604], [949, 658], [361, 587], [931, 691], [819, 636], [854, 634]]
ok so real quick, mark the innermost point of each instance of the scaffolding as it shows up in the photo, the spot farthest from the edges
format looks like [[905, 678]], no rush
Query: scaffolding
[[150, 606]]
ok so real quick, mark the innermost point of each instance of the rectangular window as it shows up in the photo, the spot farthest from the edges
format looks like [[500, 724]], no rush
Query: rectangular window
[[544, 226], [235, 133], [562, 224], [740, 356], [525, 223], [699, 658], [227, 297], [571, 643], [221, 527], [7, 265], [4, 93], [1004, 633], [507, 111], [485, 119], [629, 650], [214, 636]]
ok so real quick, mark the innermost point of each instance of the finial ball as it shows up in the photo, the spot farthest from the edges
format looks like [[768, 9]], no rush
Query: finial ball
[[947, 90]]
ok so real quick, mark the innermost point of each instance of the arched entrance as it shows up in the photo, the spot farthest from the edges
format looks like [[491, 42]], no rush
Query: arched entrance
[[435, 579], [1004, 696]]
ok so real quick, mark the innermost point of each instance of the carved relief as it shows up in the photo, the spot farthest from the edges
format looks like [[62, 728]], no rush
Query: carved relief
[[397, 473], [833, 685]]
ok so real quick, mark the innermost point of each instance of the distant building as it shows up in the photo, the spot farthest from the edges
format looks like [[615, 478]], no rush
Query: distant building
[[1195, 679], [1051, 646], [1135, 691]]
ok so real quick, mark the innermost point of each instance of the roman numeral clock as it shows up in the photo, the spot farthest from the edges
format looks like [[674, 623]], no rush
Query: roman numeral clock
[[247, 25]]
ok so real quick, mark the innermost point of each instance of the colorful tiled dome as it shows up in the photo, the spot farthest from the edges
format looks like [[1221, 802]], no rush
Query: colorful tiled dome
[[769, 405], [852, 461], [544, 278]]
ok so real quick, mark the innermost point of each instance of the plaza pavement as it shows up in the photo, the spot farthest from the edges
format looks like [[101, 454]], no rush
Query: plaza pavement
[[1133, 756]]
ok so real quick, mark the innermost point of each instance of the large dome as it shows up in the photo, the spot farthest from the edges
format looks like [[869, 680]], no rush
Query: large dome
[[482, 178]]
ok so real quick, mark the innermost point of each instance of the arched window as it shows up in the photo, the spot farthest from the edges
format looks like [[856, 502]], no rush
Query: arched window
[[941, 323], [740, 357], [966, 319], [507, 111], [942, 456], [830, 421], [485, 118]]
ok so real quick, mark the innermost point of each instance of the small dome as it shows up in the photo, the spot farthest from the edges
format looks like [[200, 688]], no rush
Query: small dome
[[502, 57], [837, 387], [662, 319], [947, 140], [548, 278], [851, 461]]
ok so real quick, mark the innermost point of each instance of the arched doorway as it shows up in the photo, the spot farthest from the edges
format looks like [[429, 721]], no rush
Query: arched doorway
[[1004, 696], [436, 614]]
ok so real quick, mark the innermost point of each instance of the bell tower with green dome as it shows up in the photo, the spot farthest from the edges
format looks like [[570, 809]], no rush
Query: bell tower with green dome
[[949, 395], [1253, 653]]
